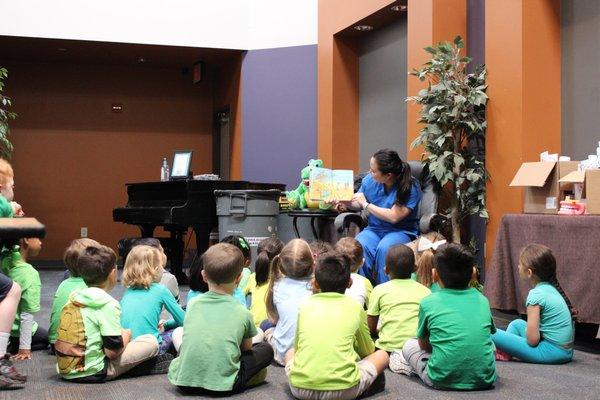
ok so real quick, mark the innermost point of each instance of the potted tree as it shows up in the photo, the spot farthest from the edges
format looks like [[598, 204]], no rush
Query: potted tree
[[6, 146], [453, 133]]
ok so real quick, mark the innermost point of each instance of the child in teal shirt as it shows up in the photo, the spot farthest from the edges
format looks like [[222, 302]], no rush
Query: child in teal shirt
[[453, 349], [144, 298], [547, 336]]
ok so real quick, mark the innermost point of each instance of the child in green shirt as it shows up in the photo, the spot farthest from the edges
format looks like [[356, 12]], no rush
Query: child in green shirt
[[331, 335], [453, 349], [69, 285], [25, 335], [91, 346], [394, 306], [217, 355]]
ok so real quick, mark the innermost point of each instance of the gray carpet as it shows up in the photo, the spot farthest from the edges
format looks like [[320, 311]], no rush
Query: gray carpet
[[578, 380]]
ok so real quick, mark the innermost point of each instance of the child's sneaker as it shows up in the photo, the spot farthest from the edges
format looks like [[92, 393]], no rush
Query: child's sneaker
[[399, 365], [9, 374]]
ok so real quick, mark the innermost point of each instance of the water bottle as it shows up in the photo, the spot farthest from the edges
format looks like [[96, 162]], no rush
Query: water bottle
[[164, 170]]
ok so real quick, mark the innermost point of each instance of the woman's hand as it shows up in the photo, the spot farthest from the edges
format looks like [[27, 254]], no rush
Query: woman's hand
[[360, 199]]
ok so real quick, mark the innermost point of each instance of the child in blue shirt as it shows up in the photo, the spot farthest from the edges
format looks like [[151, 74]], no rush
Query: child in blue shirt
[[547, 335], [144, 298]]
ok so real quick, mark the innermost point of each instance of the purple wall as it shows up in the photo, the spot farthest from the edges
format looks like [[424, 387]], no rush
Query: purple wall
[[476, 31], [279, 113]]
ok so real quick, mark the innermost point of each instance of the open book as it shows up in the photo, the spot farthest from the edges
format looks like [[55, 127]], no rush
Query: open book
[[327, 184]]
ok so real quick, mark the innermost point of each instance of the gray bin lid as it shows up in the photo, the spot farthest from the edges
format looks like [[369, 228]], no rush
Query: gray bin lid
[[251, 194]]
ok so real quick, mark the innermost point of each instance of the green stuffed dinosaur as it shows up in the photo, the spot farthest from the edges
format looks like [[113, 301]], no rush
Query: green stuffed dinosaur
[[299, 198]]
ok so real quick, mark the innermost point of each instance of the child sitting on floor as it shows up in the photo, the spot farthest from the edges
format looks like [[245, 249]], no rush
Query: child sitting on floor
[[10, 294], [91, 346], [285, 294], [166, 279], [361, 287], [424, 248], [25, 335], [332, 334], [394, 306], [319, 247], [547, 336], [144, 298], [69, 285], [217, 356], [242, 244], [259, 280], [454, 349]]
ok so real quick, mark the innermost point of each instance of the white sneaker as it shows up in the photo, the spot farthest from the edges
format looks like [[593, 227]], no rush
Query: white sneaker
[[399, 365]]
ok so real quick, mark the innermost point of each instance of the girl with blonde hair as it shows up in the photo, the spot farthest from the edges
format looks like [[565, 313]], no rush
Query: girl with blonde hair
[[145, 298]]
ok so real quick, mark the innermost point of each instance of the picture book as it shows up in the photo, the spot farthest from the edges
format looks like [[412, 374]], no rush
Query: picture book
[[327, 184]]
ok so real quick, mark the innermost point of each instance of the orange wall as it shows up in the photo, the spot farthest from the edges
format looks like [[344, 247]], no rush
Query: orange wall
[[429, 22], [338, 81], [523, 113], [73, 156]]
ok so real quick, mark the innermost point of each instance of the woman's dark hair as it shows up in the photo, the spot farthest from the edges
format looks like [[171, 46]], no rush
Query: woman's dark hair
[[389, 162], [267, 250], [240, 242], [542, 263]]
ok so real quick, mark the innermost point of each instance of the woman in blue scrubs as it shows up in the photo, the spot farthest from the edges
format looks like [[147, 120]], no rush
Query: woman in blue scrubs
[[391, 196]]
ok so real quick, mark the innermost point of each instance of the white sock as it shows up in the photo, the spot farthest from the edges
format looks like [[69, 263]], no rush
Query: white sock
[[4, 336]]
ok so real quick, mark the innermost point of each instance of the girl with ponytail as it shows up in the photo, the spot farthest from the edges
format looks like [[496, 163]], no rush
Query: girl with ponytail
[[547, 336], [289, 285], [391, 197], [259, 280]]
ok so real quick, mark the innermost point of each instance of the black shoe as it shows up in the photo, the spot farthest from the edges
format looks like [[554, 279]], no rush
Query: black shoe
[[9, 374], [154, 366]]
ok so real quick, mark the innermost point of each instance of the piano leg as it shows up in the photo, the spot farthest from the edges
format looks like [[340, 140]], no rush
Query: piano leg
[[202, 235], [147, 230], [177, 257]]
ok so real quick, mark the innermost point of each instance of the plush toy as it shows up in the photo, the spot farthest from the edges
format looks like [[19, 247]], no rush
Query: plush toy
[[299, 198]]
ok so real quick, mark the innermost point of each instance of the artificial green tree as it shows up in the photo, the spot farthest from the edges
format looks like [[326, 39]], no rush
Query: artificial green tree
[[6, 146], [453, 134]]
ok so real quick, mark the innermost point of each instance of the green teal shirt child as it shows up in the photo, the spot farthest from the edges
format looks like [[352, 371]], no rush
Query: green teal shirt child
[[556, 325], [459, 324]]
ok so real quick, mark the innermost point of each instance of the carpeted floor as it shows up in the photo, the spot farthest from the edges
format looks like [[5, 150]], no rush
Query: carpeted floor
[[579, 379]]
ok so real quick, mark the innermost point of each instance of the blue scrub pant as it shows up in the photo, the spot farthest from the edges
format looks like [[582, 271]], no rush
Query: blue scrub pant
[[514, 342], [375, 245]]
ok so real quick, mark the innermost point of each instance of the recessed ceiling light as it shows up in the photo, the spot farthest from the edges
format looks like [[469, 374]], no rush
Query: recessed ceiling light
[[141, 60], [399, 8], [61, 49], [363, 28]]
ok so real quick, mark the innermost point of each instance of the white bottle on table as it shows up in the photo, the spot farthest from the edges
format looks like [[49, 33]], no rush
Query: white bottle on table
[[164, 170]]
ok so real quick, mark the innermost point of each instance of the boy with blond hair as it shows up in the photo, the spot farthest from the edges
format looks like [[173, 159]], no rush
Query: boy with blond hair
[[217, 355]]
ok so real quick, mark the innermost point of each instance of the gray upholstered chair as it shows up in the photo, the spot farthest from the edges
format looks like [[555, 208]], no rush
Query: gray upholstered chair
[[429, 219]]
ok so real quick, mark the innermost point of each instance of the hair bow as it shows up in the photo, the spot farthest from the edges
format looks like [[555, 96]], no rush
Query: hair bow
[[426, 244]]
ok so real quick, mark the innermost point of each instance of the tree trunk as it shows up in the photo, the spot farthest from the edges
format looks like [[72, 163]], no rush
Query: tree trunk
[[455, 223], [454, 213]]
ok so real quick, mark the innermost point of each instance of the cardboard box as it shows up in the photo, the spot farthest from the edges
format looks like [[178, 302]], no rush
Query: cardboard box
[[543, 191], [586, 185]]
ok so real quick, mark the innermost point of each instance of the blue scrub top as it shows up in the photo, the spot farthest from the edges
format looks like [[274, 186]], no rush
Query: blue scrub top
[[375, 194]]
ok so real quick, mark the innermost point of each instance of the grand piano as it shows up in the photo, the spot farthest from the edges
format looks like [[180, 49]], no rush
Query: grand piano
[[177, 206]]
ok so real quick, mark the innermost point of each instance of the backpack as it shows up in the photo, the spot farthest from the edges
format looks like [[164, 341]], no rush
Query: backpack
[[71, 341]]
